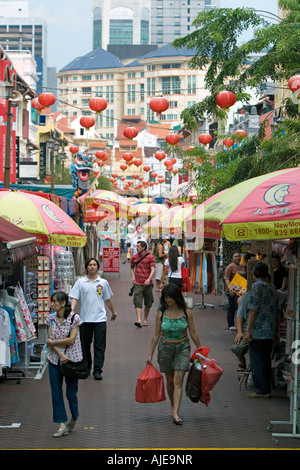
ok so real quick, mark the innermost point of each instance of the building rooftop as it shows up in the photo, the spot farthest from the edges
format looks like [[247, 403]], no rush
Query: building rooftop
[[96, 59]]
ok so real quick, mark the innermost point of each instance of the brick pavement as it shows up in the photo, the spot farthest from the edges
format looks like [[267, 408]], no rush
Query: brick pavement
[[110, 418]]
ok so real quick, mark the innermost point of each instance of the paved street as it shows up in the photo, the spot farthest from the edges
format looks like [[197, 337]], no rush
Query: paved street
[[110, 418]]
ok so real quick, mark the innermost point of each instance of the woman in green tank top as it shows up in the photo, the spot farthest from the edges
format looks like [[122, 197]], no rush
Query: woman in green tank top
[[173, 320]]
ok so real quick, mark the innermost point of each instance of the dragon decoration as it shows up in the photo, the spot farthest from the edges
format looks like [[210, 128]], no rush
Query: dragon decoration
[[80, 169]]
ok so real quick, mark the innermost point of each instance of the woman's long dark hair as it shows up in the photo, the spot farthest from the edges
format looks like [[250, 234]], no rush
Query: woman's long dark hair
[[173, 291], [62, 296], [173, 258]]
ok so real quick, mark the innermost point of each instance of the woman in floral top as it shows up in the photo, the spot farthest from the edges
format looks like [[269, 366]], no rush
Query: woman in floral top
[[64, 341]]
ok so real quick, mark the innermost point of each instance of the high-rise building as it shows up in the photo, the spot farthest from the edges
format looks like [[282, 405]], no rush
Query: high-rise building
[[143, 22], [19, 32]]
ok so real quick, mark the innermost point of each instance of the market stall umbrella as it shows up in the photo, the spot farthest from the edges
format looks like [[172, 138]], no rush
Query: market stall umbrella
[[112, 201], [149, 209], [263, 208], [40, 217], [185, 192], [171, 222], [18, 243]]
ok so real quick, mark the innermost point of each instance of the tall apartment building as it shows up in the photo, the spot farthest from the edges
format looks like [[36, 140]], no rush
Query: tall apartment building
[[142, 22], [19, 32]]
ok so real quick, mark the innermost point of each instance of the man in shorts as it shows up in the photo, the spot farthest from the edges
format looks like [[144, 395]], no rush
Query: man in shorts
[[142, 272]]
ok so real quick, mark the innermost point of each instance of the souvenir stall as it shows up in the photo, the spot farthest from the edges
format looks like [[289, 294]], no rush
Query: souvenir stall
[[52, 267], [267, 208], [17, 318]]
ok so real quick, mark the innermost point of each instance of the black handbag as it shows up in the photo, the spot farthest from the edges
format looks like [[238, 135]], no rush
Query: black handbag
[[193, 387], [76, 370]]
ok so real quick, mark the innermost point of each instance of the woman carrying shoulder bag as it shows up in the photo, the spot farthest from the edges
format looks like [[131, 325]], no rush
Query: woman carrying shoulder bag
[[173, 265], [64, 341]]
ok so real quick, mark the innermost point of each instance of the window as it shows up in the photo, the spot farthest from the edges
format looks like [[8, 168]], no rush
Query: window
[[191, 84], [86, 90], [131, 93], [171, 85], [74, 78], [87, 77], [142, 92], [109, 94]]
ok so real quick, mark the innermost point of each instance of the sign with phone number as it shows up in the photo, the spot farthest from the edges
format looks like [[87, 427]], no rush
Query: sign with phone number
[[262, 230]]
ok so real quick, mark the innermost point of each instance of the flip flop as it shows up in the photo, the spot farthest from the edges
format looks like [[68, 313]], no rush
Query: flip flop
[[177, 421], [138, 324]]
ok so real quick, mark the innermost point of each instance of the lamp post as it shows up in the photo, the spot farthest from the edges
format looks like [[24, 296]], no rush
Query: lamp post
[[7, 94]]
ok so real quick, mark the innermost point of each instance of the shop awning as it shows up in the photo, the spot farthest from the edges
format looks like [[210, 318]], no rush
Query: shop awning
[[18, 243]]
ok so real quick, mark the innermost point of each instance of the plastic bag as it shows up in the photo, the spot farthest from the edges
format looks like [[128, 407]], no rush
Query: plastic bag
[[211, 374], [44, 353], [186, 285], [150, 386]]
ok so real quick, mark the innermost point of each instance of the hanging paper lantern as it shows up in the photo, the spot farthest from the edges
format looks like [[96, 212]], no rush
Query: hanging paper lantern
[[74, 149], [135, 176], [159, 104], [240, 134], [35, 104], [114, 175], [100, 163], [228, 142], [130, 162], [294, 83], [174, 172], [205, 139], [100, 154], [123, 167], [87, 121], [46, 99], [172, 139], [160, 155], [127, 156], [225, 99], [146, 168], [153, 174], [122, 178], [168, 163], [137, 162], [98, 104], [130, 132]]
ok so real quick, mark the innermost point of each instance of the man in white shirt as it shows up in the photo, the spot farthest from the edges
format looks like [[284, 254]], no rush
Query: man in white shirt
[[139, 237], [94, 293]]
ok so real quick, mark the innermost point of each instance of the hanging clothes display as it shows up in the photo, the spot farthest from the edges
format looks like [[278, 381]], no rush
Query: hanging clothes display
[[204, 273], [5, 336]]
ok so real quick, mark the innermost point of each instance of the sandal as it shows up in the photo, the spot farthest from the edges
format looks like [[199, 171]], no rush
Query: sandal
[[177, 421], [139, 325], [145, 323]]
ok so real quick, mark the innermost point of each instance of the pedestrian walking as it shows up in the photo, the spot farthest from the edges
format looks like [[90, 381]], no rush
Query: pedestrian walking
[[172, 267], [64, 342], [159, 264], [94, 294], [263, 324], [233, 268], [142, 272], [173, 320]]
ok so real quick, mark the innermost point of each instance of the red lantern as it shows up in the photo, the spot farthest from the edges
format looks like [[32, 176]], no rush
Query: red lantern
[[74, 149], [159, 104], [240, 134], [46, 99], [146, 168], [135, 176], [100, 163], [137, 162], [127, 156], [228, 142], [225, 99], [123, 167], [98, 104], [114, 175], [87, 121], [35, 104], [205, 139], [160, 155], [112, 180], [172, 139], [100, 154], [168, 163], [153, 174], [294, 83], [122, 178], [174, 172], [130, 132]]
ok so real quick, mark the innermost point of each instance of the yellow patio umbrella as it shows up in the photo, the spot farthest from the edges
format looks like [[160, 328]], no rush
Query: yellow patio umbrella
[[112, 201], [171, 222]]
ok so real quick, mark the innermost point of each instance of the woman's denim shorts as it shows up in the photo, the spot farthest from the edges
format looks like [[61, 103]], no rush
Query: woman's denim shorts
[[173, 356]]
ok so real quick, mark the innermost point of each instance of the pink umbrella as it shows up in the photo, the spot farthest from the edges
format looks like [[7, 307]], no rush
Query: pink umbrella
[[40, 217]]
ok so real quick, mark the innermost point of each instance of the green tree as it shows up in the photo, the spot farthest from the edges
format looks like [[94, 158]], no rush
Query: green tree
[[217, 48]]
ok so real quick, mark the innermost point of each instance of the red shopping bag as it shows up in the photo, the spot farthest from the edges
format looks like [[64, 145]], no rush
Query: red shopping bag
[[211, 374], [150, 386], [186, 285]]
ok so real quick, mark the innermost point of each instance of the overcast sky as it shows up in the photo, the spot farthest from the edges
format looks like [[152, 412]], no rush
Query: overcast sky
[[70, 25]]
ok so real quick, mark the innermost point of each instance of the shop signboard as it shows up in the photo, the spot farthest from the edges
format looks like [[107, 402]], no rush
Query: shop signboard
[[111, 259]]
